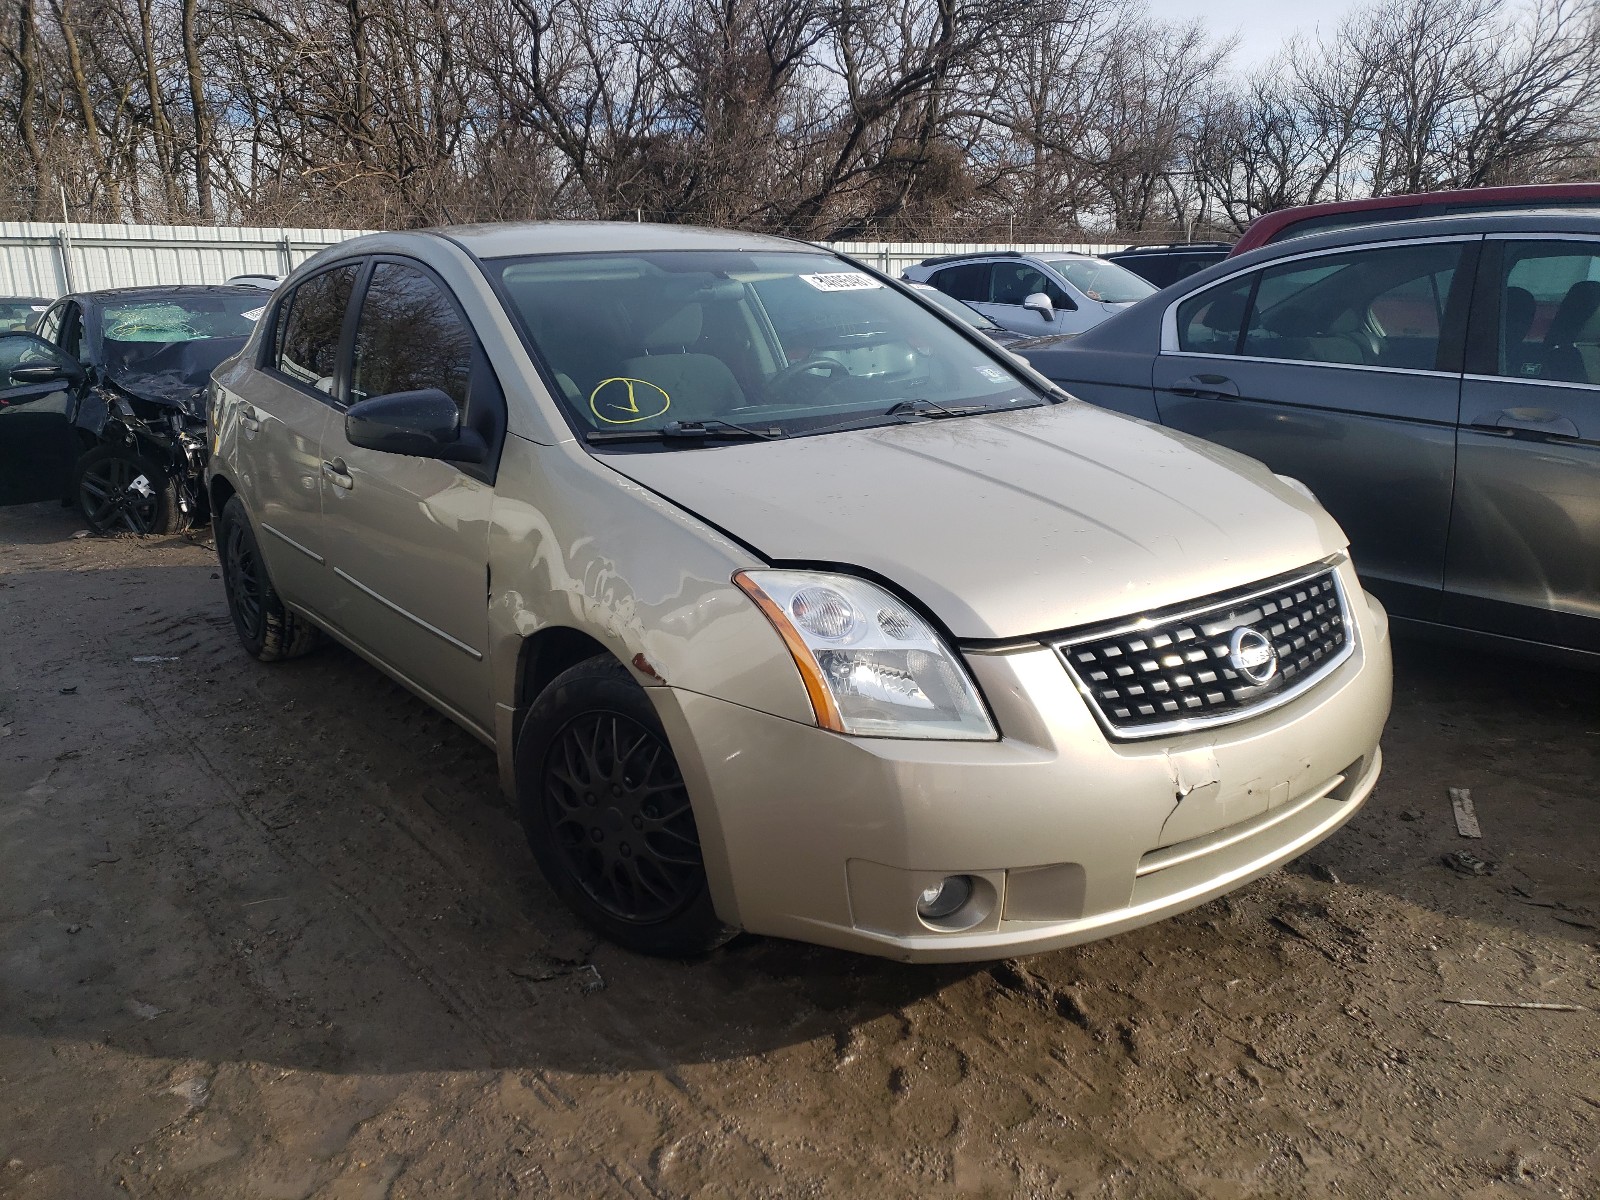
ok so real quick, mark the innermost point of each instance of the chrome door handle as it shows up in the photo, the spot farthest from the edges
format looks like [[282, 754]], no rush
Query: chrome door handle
[[250, 419], [1508, 422], [338, 474], [1210, 387]]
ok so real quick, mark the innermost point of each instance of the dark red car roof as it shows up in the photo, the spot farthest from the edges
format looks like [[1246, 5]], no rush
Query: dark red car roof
[[1317, 218]]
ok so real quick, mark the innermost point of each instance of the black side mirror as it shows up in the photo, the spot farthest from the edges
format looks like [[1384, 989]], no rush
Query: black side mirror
[[45, 373], [421, 424]]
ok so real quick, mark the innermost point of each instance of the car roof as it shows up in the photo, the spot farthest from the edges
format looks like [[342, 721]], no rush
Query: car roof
[[513, 239], [1268, 225], [1170, 248], [1521, 220]]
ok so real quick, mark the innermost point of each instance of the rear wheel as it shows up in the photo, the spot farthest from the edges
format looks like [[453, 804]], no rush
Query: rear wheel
[[608, 816], [120, 491], [267, 628]]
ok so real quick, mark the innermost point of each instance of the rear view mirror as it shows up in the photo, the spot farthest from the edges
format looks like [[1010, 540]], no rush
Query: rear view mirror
[[1040, 303], [420, 424]]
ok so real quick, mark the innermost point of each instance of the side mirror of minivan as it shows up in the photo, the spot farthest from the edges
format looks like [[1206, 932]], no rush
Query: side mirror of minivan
[[420, 424], [1040, 303]]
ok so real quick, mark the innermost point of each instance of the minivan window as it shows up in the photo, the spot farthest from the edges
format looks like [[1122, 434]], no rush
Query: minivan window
[[789, 342], [1550, 311], [409, 336], [1379, 307], [1101, 280], [310, 324]]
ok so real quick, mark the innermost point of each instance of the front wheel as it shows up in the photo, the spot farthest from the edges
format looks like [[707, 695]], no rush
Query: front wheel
[[121, 491], [608, 816]]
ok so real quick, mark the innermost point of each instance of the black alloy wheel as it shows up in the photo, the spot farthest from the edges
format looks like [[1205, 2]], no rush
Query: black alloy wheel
[[609, 816], [243, 580], [120, 493], [617, 804]]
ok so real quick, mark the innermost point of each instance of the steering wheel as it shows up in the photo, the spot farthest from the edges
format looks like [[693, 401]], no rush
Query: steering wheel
[[832, 367]]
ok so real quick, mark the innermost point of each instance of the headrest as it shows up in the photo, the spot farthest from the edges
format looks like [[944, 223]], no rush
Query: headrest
[[1295, 323], [678, 331], [1226, 312], [1577, 306]]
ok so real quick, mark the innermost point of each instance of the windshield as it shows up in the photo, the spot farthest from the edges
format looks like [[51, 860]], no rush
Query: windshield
[[790, 342], [1103, 281], [157, 335], [963, 311], [19, 314]]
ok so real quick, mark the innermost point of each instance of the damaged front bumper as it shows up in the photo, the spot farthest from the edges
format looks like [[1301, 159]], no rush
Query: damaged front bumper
[[1063, 835]]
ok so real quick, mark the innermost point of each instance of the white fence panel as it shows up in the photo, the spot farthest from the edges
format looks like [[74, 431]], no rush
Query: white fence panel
[[41, 259]]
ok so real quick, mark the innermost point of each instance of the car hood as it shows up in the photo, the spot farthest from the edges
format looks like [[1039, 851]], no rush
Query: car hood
[[1006, 525], [176, 377]]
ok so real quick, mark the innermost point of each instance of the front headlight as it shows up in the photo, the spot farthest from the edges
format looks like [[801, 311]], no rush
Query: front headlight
[[871, 665]]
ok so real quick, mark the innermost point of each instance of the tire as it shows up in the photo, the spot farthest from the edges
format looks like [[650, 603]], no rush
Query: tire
[[630, 868], [268, 630], [118, 490]]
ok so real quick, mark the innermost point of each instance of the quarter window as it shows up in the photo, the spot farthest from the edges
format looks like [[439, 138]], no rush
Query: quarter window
[[310, 324], [410, 337], [50, 324], [1550, 312], [1381, 307]]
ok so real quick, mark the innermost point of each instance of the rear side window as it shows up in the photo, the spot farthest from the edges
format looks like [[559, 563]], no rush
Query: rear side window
[[1381, 307], [968, 283], [310, 324], [1550, 312], [409, 337], [1209, 322]]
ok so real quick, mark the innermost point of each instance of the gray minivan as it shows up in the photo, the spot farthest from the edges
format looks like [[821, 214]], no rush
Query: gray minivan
[[1436, 383]]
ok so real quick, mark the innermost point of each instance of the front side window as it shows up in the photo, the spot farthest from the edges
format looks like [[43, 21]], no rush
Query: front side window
[[25, 351], [310, 324], [409, 337], [1381, 307], [1550, 312], [50, 325], [783, 342], [1014, 282], [1103, 281]]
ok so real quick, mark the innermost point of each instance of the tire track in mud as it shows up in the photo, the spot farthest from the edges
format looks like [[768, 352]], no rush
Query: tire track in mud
[[496, 1027]]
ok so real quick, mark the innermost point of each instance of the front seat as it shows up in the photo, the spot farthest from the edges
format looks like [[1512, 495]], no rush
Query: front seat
[[697, 386], [1562, 358]]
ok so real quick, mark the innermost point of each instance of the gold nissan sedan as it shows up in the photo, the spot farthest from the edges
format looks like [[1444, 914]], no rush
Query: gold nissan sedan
[[788, 602]]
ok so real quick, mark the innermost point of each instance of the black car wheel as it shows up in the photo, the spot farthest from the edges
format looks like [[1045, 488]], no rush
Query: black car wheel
[[268, 630], [120, 491], [608, 815]]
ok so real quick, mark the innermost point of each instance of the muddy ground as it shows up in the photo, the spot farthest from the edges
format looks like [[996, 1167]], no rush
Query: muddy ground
[[270, 932]]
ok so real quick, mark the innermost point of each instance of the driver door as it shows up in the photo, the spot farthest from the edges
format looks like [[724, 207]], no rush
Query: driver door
[[39, 387]]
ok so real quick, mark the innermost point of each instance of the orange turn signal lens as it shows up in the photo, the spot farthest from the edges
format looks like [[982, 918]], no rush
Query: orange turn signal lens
[[822, 702]]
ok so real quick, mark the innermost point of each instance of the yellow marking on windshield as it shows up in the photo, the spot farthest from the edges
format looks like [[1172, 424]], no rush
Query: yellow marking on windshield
[[625, 399]]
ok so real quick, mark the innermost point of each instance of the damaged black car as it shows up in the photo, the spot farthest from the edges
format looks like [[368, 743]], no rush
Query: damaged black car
[[105, 405]]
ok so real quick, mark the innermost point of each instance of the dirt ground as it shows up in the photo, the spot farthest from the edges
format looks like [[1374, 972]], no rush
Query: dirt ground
[[271, 932]]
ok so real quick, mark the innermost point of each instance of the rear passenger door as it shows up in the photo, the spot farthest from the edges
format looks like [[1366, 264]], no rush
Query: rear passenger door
[[281, 413], [1524, 550], [408, 537], [1341, 369]]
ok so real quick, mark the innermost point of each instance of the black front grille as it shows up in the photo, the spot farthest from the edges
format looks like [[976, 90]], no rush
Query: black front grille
[[1175, 669]]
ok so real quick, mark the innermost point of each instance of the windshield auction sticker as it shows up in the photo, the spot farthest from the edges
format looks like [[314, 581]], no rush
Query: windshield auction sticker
[[842, 281], [623, 401]]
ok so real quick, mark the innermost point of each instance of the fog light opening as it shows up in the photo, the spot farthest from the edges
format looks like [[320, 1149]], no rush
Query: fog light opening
[[945, 898]]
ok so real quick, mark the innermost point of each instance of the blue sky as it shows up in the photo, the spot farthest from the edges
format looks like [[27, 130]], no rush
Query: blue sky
[[1262, 25]]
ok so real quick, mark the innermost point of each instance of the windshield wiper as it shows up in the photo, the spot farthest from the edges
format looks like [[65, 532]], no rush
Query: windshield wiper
[[686, 431], [929, 408]]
